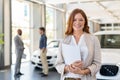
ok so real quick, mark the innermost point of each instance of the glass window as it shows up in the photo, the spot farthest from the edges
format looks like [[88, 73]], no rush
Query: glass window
[[55, 23], [53, 44], [102, 25], [116, 24], [1, 17], [109, 41], [50, 23], [1, 34], [109, 24], [20, 20]]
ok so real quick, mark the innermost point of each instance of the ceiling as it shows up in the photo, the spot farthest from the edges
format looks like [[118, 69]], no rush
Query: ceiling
[[101, 11]]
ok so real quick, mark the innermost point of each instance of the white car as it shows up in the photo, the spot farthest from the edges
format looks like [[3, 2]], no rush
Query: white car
[[52, 50], [110, 48]]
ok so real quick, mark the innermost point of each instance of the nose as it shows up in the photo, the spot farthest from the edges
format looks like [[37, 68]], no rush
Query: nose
[[77, 22]]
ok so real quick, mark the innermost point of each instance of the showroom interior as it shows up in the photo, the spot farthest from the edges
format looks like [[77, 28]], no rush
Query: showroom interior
[[28, 15]]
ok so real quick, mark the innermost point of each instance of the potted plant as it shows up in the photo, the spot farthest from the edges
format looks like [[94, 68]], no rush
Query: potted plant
[[1, 41], [1, 51]]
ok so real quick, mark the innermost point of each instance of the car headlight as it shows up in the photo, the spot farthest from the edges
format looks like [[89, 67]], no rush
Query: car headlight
[[118, 64], [34, 55], [55, 56]]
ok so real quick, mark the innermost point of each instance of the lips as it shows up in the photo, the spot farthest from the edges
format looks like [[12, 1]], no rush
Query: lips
[[78, 26]]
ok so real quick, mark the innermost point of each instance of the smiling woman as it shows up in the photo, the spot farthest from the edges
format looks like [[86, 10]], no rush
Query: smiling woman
[[78, 36]]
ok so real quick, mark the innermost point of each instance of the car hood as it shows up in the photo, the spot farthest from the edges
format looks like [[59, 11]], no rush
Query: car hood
[[110, 56], [50, 52]]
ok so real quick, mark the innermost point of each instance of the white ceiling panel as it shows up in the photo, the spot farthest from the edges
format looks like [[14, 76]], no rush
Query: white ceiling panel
[[67, 1], [111, 4], [102, 10]]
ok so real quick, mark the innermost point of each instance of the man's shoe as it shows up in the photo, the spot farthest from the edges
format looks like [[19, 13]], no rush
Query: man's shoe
[[41, 73], [17, 75], [20, 73], [44, 75]]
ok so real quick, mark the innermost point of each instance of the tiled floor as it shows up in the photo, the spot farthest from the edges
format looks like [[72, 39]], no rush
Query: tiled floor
[[30, 73]]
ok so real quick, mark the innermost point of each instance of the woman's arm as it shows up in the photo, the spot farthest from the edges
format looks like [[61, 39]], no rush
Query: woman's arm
[[96, 64], [59, 64]]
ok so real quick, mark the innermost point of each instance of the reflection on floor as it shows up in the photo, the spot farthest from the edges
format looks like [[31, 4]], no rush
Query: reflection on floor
[[30, 73]]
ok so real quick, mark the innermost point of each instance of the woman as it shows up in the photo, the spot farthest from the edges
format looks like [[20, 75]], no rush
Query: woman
[[78, 34]]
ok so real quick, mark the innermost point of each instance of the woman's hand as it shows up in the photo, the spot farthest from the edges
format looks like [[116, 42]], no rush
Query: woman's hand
[[66, 69], [78, 64], [76, 70]]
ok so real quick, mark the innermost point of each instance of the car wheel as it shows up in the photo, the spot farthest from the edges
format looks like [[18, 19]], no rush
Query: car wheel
[[38, 68]]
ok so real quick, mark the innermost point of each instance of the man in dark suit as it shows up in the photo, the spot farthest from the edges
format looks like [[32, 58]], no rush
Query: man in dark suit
[[19, 49]]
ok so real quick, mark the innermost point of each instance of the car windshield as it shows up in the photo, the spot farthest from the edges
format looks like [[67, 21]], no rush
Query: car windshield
[[109, 41], [53, 44]]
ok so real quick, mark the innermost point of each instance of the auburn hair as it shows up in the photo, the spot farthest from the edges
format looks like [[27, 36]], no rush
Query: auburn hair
[[69, 30]]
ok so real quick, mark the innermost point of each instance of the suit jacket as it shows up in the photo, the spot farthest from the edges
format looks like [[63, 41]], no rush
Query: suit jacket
[[19, 46], [93, 60]]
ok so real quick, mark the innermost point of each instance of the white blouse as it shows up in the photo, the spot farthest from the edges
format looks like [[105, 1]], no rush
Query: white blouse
[[82, 45], [83, 50]]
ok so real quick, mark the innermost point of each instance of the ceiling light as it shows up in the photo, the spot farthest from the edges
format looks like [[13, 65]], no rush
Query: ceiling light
[[20, 0]]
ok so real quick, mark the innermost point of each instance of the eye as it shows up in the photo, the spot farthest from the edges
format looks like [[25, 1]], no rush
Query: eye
[[74, 20], [78, 20], [81, 20]]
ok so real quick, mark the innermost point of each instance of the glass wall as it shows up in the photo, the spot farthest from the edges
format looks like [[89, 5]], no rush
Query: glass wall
[[1, 35], [55, 23], [50, 23], [20, 20], [60, 24], [29, 17]]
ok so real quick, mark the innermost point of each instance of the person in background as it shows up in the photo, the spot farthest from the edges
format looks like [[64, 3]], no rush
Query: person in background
[[43, 51], [19, 49], [77, 34]]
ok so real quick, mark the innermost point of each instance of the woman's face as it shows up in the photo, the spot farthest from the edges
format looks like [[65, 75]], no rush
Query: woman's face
[[78, 22]]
